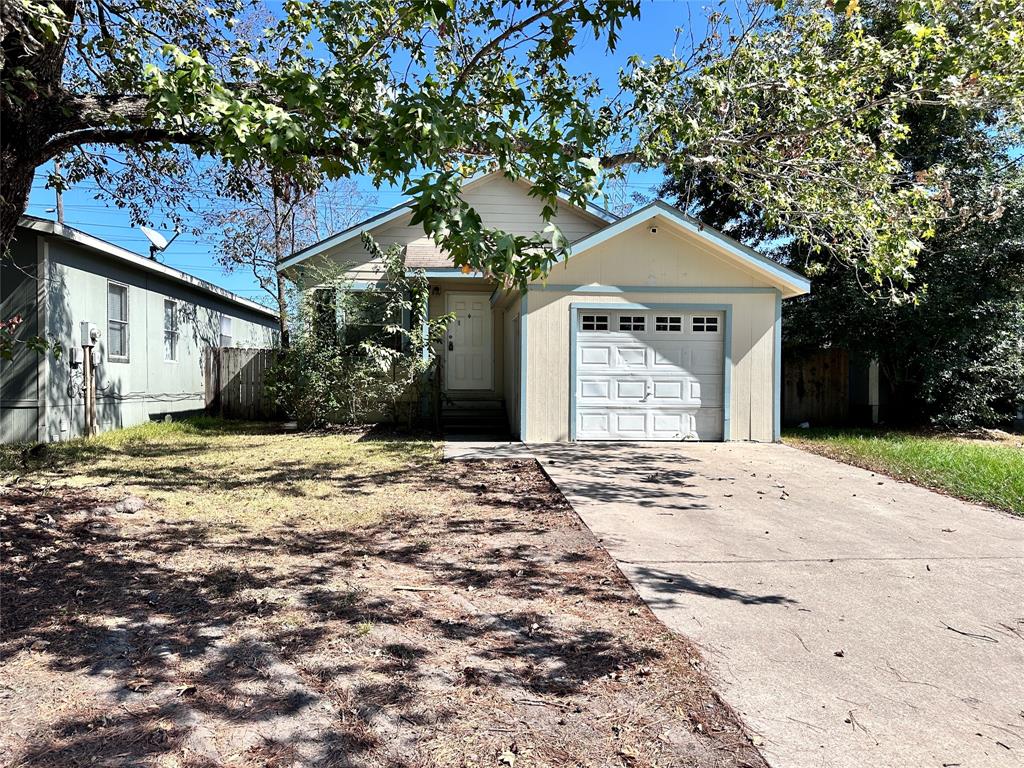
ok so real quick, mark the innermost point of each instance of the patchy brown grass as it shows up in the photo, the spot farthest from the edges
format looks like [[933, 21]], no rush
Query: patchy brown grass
[[416, 614]]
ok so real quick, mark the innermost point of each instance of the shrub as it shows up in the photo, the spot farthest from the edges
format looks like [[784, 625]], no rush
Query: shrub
[[358, 356]]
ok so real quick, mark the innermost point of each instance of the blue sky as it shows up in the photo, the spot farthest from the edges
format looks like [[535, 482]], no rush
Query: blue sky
[[653, 33]]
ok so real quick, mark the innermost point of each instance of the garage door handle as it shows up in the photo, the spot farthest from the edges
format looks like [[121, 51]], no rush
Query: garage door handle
[[644, 398]]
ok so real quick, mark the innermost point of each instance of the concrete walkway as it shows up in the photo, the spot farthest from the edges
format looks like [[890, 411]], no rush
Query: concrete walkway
[[854, 621], [472, 448]]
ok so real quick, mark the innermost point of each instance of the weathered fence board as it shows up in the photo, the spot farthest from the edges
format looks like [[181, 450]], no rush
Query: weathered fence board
[[816, 388], [236, 382]]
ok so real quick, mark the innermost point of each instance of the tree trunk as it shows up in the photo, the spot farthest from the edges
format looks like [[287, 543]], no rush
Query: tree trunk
[[16, 175], [282, 311], [34, 112]]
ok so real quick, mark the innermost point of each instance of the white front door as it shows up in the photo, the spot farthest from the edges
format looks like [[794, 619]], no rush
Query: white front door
[[468, 358], [649, 375]]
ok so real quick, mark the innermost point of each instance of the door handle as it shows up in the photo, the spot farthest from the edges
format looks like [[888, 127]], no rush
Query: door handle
[[451, 347]]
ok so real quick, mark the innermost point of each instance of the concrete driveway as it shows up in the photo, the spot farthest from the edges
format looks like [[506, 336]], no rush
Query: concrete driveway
[[853, 620]]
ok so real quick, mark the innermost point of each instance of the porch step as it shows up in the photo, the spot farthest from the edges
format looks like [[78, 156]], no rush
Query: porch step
[[477, 417]]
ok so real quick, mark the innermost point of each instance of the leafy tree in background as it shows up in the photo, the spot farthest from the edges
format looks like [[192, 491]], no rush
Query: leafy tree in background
[[797, 108], [955, 355], [261, 215]]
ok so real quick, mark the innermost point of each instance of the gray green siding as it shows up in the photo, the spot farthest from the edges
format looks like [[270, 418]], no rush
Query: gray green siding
[[145, 386]]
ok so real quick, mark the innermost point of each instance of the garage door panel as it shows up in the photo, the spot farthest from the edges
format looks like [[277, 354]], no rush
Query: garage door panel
[[661, 383], [595, 356], [630, 389], [671, 425], [630, 356], [592, 390], [707, 357], [593, 422], [630, 423], [708, 423]]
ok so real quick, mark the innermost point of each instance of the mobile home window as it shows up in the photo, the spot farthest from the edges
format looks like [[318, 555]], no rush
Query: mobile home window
[[170, 330], [117, 321], [225, 330]]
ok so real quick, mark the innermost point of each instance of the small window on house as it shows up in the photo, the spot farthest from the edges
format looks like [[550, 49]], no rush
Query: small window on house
[[632, 323], [170, 330], [225, 330], [117, 322], [594, 322], [668, 323], [704, 324]]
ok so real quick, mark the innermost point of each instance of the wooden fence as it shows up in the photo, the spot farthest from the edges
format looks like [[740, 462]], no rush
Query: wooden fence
[[235, 383], [816, 388]]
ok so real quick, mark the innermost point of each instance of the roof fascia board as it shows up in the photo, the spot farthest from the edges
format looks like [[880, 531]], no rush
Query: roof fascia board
[[46, 227]]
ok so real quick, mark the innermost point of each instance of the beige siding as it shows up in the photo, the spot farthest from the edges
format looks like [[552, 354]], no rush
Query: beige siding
[[501, 204], [664, 260], [669, 258], [510, 322]]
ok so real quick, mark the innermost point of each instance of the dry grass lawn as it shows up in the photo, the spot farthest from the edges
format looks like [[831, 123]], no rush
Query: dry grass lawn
[[214, 595]]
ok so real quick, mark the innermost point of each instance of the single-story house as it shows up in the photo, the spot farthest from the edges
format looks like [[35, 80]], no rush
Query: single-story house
[[154, 324], [655, 328]]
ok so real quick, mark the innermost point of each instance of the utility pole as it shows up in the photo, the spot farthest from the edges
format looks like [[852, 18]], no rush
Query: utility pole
[[60, 192]]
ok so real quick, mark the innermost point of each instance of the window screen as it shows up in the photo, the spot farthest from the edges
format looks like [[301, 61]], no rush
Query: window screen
[[117, 321], [668, 323], [632, 323], [705, 324], [594, 322], [170, 330]]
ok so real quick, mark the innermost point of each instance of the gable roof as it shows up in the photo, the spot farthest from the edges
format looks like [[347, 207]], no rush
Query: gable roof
[[792, 283], [402, 209], [95, 244]]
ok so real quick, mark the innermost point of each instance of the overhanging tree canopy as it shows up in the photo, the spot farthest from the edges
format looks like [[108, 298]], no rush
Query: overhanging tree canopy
[[796, 108]]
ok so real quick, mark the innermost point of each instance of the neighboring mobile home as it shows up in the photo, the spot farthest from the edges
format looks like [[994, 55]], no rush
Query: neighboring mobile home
[[154, 322], [655, 328]]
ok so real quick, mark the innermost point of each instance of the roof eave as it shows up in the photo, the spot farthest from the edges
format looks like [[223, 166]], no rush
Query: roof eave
[[52, 228]]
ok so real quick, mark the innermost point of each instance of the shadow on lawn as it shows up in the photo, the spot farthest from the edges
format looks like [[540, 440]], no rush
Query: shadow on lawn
[[292, 645], [211, 643]]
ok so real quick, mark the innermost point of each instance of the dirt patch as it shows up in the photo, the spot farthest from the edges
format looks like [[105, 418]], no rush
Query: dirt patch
[[477, 624]]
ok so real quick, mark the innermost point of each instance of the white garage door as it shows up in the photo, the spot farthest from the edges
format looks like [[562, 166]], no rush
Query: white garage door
[[649, 374]]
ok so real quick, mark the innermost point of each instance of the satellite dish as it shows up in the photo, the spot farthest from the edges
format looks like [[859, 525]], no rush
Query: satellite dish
[[157, 241]]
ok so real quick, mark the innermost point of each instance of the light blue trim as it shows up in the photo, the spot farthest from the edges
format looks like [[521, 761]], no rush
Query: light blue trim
[[574, 308], [596, 288], [523, 349], [425, 332], [445, 272], [788, 277], [777, 374]]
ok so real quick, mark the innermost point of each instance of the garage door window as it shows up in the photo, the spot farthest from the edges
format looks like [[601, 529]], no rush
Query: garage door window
[[632, 323], [668, 324], [705, 324], [594, 322]]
